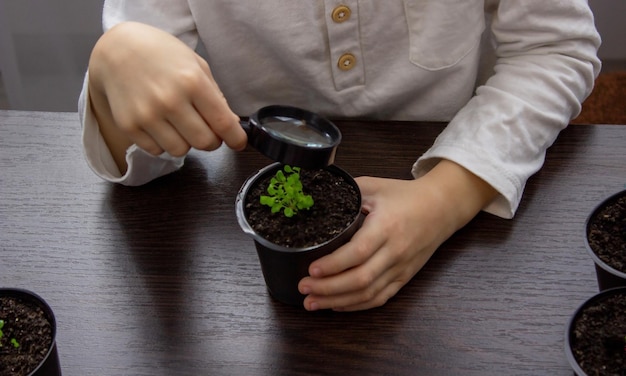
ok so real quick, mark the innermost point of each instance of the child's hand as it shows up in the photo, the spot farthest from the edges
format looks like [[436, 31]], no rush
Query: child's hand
[[149, 88], [406, 222]]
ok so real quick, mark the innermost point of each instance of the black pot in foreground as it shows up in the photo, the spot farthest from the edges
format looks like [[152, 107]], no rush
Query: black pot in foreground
[[595, 336], [607, 275], [49, 365], [283, 267]]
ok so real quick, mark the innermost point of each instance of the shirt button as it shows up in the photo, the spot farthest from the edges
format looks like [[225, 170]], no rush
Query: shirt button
[[346, 62], [341, 13]]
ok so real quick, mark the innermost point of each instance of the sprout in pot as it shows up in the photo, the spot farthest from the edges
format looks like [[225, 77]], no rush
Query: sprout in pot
[[296, 216], [27, 335]]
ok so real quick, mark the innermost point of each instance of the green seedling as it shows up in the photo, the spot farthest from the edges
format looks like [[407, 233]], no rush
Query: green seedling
[[13, 340], [285, 192]]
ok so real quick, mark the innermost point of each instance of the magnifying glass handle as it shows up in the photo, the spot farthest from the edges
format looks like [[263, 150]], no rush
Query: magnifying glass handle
[[246, 126]]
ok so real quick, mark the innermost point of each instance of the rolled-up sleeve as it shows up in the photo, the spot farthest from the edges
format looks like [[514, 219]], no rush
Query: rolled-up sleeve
[[142, 166], [172, 16], [546, 63]]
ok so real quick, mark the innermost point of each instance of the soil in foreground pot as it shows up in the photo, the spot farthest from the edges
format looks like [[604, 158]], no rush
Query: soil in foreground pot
[[27, 324], [598, 336], [607, 234], [336, 204]]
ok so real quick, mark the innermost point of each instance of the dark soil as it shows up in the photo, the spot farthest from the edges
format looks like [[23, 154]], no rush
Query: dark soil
[[336, 205], [28, 324], [607, 235], [599, 337]]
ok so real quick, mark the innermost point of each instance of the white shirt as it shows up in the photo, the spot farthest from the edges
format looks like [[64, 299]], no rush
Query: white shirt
[[508, 75]]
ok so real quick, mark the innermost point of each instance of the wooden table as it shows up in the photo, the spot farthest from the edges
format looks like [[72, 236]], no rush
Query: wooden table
[[160, 280]]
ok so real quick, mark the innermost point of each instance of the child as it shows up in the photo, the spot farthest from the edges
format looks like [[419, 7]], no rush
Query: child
[[507, 75]]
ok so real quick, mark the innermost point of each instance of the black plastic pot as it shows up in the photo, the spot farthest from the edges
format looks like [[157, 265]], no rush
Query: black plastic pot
[[570, 336], [607, 276], [284, 267], [50, 365]]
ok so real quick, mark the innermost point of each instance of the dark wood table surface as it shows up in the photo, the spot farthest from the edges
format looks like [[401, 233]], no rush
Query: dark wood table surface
[[160, 280]]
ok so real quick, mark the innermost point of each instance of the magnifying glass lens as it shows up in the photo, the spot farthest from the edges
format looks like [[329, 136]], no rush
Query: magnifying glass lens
[[293, 136], [296, 131]]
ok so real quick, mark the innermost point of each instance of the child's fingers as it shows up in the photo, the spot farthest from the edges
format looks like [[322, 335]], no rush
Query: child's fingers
[[363, 245], [165, 135], [193, 129], [213, 107]]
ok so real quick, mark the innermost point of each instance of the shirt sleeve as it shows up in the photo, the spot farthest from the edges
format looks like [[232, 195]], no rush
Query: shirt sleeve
[[172, 16], [546, 63], [142, 166]]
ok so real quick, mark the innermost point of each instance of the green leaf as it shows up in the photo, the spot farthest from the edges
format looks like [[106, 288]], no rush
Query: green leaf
[[267, 200], [293, 179], [305, 202], [280, 177]]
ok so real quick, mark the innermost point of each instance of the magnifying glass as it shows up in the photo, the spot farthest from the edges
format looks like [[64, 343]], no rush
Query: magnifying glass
[[293, 136]]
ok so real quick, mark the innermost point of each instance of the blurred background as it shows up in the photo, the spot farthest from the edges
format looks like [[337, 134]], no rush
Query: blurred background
[[45, 47], [44, 50]]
